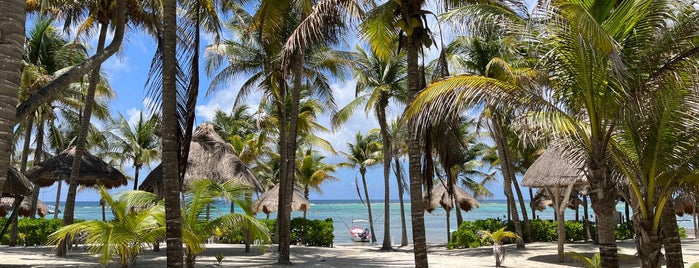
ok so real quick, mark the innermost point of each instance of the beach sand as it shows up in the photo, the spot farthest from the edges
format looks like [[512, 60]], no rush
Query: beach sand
[[540, 255]]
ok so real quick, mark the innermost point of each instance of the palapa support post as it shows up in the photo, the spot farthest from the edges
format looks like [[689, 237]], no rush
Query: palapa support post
[[15, 209]]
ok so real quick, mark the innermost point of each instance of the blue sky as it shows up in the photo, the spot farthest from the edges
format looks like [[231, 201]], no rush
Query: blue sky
[[127, 73]]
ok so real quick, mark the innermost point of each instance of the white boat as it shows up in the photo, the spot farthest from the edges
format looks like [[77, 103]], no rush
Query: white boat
[[359, 232]]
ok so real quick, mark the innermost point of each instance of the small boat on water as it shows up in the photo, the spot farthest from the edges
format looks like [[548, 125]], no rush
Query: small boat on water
[[359, 232]]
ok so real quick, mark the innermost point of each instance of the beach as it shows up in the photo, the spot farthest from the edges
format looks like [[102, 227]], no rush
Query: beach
[[539, 254]]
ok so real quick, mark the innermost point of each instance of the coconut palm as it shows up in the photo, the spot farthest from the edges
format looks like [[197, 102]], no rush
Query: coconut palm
[[399, 147], [363, 153], [379, 80], [195, 232], [496, 239], [138, 222], [311, 172], [139, 144], [11, 55]]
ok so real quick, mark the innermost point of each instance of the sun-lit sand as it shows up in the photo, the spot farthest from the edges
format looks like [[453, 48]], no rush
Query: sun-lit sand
[[535, 255]]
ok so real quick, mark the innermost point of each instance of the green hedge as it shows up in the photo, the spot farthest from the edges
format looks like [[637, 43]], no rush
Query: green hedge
[[541, 230], [315, 233], [33, 231]]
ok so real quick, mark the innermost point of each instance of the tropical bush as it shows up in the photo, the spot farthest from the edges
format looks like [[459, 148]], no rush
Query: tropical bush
[[575, 231], [466, 237], [139, 221], [33, 232], [312, 233], [543, 230], [624, 231]]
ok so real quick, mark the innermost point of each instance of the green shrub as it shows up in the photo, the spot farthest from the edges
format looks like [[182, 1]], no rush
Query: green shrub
[[464, 237], [33, 231], [683, 232], [235, 235], [575, 231], [543, 230], [624, 231], [316, 233]]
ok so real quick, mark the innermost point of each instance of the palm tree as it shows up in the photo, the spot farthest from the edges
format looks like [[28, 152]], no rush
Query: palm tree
[[497, 238], [139, 144], [169, 134], [138, 221], [312, 172], [399, 148], [11, 62], [195, 232], [363, 153], [382, 79]]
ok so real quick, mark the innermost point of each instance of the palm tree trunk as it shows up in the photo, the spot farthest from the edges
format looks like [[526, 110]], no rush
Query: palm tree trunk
[[11, 51], [531, 197], [170, 154], [85, 117], [648, 243], [506, 165], [381, 115], [286, 187], [368, 205], [525, 218], [671, 237], [14, 232], [37, 158], [137, 168], [417, 208], [586, 220], [604, 204], [404, 228], [57, 204], [305, 195]]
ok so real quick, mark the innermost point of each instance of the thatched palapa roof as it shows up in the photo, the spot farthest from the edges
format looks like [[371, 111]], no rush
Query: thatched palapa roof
[[542, 200], [24, 207], [685, 203], [552, 169], [210, 157], [440, 197], [92, 171], [16, 183], [269, 202]]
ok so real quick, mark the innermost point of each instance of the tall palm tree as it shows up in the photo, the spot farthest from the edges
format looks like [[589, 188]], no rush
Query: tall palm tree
[[312, 172], [169, 131], [363, 153], [139, 144], [11, 62], [399, 147], [379, 80]]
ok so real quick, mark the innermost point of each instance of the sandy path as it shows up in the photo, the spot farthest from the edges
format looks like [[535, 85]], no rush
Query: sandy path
[[538, 255]]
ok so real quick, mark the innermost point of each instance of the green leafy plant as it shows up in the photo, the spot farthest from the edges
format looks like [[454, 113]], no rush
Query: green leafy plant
[[33, 232], [219, 258], [594, 262], [497, 238], [575, 231], [139, 220]]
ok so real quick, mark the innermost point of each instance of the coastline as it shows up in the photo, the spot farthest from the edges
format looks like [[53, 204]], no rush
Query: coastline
[[539, 254]]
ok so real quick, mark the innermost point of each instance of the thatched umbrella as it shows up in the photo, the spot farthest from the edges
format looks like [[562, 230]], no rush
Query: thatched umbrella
[[210, 157], [686, 203], [24, 207], [92, 171], [440, 196], [542, 199], [553, 170], [268, 202], [16, 184]]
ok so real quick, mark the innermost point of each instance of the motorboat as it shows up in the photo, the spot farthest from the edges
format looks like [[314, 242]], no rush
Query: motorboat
[[359, 231]]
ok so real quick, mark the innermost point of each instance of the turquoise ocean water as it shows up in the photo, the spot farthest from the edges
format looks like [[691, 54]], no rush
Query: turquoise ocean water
[[344, 211]]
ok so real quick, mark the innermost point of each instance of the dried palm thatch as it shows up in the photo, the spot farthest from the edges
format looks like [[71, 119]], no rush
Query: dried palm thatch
[[269, 202], [17, 184], [24, 207], [440, 197], [542, 199], [685, 203], [553, 169], [210, 157], [92, 171]]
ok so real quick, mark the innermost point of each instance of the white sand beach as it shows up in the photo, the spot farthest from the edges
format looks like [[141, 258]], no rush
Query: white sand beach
[[538, 255]]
